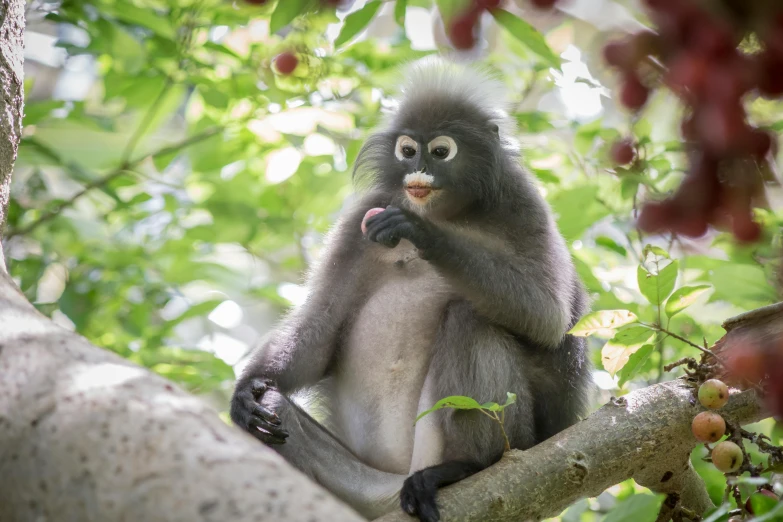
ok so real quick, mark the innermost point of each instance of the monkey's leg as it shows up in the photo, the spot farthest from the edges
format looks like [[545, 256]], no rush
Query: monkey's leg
[[316, 452], [481, 361]]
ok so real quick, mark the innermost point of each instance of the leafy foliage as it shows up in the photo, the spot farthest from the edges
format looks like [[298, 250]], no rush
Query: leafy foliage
[[168, 211]]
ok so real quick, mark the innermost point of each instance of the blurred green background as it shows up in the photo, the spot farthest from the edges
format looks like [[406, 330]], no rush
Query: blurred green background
[[171, 188]]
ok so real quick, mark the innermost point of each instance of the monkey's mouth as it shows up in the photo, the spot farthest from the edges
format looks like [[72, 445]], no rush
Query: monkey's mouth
[[419, 190]]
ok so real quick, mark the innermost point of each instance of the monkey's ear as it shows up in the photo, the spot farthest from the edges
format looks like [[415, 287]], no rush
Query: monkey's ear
[[493, 127]]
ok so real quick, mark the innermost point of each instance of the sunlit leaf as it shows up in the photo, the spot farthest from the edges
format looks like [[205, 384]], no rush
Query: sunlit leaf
[[285, 12], [639, 508], [618, 350], [683, 297], [602, 322], [399, 12], [634, 364], [657, 287], [458, 402], [356, 21], [527, 34]]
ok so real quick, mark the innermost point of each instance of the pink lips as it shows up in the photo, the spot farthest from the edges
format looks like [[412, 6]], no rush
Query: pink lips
[[418, 191]]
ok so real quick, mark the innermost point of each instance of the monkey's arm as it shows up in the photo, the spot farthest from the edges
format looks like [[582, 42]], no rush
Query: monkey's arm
[[526, 292], [299, 351]]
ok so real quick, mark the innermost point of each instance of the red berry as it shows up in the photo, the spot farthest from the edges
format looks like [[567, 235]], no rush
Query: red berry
[[713, 38], [723, 127], [770, 74], [687, 74], [657, 215], [544, 4], [622, 152], [633, 94], [286, 63], [708, 426], [745, 229], [759, 143], [727, 456], [616, 54], [462, 30]]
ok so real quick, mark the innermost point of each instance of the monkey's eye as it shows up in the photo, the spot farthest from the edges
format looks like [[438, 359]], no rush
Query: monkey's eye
[[406, 147], [440, 152], [443, 147]]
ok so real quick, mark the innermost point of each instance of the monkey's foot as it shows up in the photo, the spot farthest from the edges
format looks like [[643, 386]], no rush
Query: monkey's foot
[[248, 412], [417, 497]]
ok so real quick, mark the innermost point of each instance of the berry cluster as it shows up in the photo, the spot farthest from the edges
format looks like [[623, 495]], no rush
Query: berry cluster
[[462, 29], [695, 54]]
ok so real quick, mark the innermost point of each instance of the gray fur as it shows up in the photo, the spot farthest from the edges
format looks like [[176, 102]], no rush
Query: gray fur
[[468, 294]]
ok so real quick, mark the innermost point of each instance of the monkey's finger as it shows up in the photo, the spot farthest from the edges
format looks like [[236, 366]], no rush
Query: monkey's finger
[[383, 217], [428, 510], [258, 387], [265, 414], [390, 223], [389, 237], [260, 425], [266, 437]]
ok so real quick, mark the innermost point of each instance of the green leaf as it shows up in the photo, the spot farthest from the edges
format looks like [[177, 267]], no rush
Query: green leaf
[[458, 402], [149, 18], [658, 251], [657, 287], [511, 398], [683, 298], [399, 12], [284, 13], [616, 353], [527, 35], [611, 244], [639, 508], [356, 21], [634, 364], [603, 322], [766, 508]]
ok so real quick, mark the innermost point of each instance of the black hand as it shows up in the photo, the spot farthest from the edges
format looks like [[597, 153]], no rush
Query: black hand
[[418, 497], [394, 224], [248, 412]]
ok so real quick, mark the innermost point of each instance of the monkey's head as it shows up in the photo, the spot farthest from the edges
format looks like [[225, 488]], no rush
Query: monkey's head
[[442, 149]]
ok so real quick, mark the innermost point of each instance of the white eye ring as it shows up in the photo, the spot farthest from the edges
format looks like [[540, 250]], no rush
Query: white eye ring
[[403, 142], [444, 141]]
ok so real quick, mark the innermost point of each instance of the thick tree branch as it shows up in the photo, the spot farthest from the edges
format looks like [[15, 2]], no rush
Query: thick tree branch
[[644, 435], [85, 435]]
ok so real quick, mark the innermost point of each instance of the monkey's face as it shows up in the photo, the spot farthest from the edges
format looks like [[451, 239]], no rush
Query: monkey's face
[[424, 166], [434, 170]]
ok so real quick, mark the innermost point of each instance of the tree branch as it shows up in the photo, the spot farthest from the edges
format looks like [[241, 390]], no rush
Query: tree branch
[[644, 435], [86, 435]]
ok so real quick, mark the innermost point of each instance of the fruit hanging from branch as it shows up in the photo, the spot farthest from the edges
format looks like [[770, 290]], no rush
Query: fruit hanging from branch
[[695, 52]]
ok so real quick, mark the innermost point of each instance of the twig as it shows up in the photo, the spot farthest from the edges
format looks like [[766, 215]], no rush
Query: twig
[[100, 182]]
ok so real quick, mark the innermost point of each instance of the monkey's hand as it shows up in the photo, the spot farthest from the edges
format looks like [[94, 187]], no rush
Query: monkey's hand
[[417, 497], [248, 412], [394, 224]]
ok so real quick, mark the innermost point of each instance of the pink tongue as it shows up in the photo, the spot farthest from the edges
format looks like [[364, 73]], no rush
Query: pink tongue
[[370, 213]]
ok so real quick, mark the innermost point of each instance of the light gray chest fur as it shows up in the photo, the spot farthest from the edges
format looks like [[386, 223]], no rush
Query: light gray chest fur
[[385, 359]]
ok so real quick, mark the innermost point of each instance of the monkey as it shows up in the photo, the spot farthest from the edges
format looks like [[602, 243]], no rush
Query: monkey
[[460, 285]]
